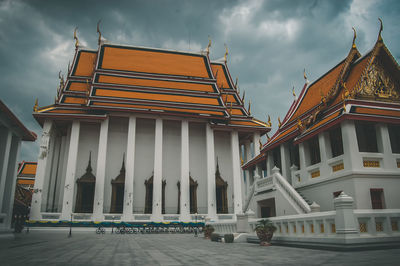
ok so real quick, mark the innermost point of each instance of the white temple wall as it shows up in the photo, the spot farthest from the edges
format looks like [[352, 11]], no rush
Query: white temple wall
[[88, 142], [198, 163], [116, 148], [171, 163], [322, 193], [222, 142], [144, 160], [390, 186]]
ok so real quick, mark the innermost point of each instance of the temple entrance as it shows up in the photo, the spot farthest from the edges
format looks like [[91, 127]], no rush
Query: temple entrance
[[148, 208], [85, 191], [221, 192], [192, 195], [266, 208], [118, 187]]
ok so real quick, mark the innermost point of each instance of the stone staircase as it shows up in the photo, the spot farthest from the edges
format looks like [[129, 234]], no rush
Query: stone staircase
[[309, 202]]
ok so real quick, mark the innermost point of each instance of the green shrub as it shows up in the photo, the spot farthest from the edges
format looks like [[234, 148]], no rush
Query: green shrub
[[215, 237], [229, 238]]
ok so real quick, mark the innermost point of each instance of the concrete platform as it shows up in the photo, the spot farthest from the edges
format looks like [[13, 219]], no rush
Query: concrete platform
[[53, 247]]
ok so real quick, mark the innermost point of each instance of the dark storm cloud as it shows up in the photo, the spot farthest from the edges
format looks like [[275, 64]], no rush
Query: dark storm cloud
[[270, 42]]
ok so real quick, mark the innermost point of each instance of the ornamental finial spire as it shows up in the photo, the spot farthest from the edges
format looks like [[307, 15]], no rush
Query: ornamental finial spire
[[209, 45], [294, 93], [76, 38], [35, 107], [226, 53], [354, 38], [380, 30], [305, 76], [99, 32]]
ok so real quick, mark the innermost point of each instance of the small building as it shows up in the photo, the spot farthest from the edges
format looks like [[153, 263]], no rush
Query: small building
[[12, 132], [341, 134], [141, 134]]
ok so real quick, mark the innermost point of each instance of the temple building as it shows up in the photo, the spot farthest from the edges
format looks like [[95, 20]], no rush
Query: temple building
[[12, 133], [142, 134], [341, 134]]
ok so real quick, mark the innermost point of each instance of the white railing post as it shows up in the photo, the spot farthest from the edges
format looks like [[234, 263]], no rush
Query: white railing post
[[345, 220]]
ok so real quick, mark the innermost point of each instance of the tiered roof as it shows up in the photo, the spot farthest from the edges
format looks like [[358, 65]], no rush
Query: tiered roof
[[26, 173], [120, 78], [359, 88]]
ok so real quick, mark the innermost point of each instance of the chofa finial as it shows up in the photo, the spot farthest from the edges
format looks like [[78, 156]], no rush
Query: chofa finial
[[380, 30], [99, 32], [76, 39], [354, 37], [293, 92], [305, 76], [226, 53], [249, 110], [35, 107], [209, 44]]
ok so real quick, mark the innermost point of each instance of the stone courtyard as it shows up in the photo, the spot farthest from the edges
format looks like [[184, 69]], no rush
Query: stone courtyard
[[53, 247]]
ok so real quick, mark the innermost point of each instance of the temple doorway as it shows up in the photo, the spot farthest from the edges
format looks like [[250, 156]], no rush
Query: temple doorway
[[192, 195], [148, 208], [85, 191], [118, 187], [221, 192], [266, 208]]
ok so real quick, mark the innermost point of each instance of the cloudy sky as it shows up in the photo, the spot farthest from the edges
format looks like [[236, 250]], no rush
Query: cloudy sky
[[270, 42]]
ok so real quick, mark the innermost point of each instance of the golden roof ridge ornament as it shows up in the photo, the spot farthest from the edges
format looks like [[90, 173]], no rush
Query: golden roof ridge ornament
[[269, 123], [305, 76], [354, 38], [380, 31], [99, 32], [209, 45], [294, 93], [236, 82], [279, 122], [249, 110], [76, 39], [226, 53], [244, 94], [35, 106]]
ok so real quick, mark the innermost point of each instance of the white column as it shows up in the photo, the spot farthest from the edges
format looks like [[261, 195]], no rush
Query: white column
[[270, 163], [98, 203], [383, 139], [41, 172], [237, 188], [11, 180], [285, 160], [302, 158], [324, 168], [157, 178], [256, 143], [71, 171], [247, 150], [185, 183], [130, 170], [4, 166], [211, 189], [352, 158]]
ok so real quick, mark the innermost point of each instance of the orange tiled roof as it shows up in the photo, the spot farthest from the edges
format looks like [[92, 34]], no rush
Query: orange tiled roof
[[27, 169], [137, 79]]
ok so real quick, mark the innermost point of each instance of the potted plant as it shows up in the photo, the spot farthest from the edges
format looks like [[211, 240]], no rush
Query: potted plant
[[265, 230], [208, 229]]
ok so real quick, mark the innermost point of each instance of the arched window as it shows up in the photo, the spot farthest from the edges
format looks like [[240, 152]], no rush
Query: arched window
[[85, 191], [118, 187], [148, 208], [193, 195]]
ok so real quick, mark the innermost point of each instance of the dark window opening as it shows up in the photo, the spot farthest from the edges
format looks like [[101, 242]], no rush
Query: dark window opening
[[366, 137], [394, 135], [335, 137], [377, 198], [276, 155], [313, 148]]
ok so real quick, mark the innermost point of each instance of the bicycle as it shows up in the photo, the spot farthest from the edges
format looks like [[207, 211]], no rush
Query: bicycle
[[100, 230]]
